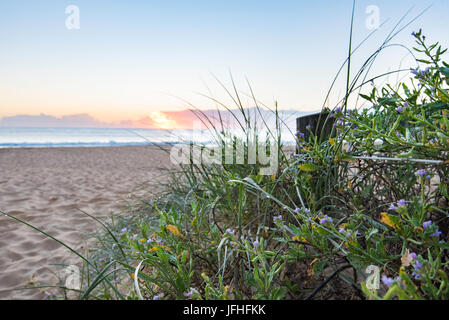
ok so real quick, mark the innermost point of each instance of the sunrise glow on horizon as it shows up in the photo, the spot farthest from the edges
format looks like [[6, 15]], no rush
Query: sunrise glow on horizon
[[143, 62]]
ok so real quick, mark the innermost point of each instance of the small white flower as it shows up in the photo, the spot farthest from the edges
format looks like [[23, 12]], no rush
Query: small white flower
[[378, 142]]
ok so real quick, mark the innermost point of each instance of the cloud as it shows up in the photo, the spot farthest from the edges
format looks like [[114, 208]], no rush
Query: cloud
[[184, 119], [43, 120]]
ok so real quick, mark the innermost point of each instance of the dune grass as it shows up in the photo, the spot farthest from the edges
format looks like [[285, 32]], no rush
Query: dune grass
[[311, 229]]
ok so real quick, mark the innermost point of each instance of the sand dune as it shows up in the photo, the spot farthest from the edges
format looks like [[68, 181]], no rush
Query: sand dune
[[46, 187]]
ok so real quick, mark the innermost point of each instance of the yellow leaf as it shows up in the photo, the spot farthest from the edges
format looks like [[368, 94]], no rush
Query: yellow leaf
[[273, 177], [351, 243], [443, 96], [388, 220], [153, 249], [295, 238], [174, 230], [331, 141]]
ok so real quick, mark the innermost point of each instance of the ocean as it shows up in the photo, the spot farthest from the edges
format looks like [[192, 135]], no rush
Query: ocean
[[31, 137]]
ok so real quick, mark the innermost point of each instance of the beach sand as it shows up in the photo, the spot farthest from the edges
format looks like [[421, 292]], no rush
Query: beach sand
[[46, 187]]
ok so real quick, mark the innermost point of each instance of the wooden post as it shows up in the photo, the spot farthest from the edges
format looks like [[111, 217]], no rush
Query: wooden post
[[319, 124]]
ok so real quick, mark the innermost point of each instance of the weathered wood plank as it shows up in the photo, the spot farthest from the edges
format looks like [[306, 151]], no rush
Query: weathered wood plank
[[318, 124]]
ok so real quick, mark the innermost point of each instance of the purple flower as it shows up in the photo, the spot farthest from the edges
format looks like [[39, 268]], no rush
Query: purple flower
[[190, 293], [256, 243], [338, 109], [124, 230], [276, 218], [413, 255], [49, 295], [417, 265], [230, 231], [392, 207], [306, 210], [422, 172], [387, 281], [297, 210], [156, 298], [325, 219], [399, 109], [416, 272], [331, 116], [341, 230], [436, 234], [398, 134], [427, 224], [152, 240], [428, 177], [405, 104], [401, 203]]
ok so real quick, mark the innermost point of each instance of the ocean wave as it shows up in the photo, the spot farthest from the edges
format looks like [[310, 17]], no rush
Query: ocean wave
[[78, 144]]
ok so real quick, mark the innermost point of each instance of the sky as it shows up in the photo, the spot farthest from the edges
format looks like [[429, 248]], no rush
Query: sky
[[136, 59]]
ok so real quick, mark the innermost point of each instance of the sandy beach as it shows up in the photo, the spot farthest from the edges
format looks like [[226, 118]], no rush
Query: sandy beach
[[46, 187]]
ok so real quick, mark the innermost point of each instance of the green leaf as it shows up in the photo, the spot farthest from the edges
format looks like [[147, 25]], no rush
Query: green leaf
[[445, 71], [366, 97], [308, 167]]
